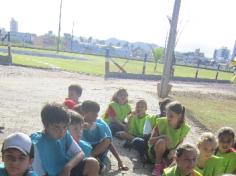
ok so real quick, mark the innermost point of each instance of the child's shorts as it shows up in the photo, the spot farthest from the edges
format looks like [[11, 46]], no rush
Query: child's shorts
[[152, 155], [78, 169]]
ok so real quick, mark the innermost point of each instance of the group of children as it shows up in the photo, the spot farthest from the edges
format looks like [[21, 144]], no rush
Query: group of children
[[75, 141]]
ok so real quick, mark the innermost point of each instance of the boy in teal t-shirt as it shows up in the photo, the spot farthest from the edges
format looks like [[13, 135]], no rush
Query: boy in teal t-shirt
[[76, 130], [56, 152], [17, 155]]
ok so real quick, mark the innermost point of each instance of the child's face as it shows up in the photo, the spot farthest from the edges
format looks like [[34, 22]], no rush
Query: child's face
[[186, 162], [16, 162], [122, 97], [76, 131], [207, 149], [140, 109], [173, 118], [225, 142], [90, 117], [56, 130], [73, 95]]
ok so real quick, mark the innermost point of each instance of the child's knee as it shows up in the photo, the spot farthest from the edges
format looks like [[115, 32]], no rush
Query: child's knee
[[160, 145], [106, 141], [91, 165]]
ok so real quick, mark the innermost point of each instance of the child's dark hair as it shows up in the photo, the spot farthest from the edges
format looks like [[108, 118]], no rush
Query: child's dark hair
[[163, 104], [76, 118], [184, 148], [54, 113], [31, 154], [226, 131], [90, 106], [142, 102], [117, 93], [77, 88], [78, 108], [179, 109]]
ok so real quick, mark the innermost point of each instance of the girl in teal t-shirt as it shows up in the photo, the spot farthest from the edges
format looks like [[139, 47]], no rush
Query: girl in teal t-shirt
[[168, 133]]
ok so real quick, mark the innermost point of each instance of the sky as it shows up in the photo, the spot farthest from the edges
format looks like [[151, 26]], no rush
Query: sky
[[204, 24]]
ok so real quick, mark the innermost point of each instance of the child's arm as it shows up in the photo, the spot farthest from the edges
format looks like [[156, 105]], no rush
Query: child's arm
[[154, 135], [71, 164], [117, 156]]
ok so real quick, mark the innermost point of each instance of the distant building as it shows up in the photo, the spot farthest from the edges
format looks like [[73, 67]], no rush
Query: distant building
[[22, 37], [221, 53], [234, 51], [13, 25]]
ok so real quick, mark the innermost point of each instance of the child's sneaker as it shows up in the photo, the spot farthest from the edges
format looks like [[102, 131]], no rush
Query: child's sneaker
[[158, 169]]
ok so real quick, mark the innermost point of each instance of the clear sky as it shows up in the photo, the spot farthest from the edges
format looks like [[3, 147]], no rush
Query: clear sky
[[205, 24]]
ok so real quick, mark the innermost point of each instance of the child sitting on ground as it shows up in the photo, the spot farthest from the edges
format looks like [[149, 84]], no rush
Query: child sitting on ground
[[78, 108], [185, 157], [136, 123], [225, 149], [207, 163], [76, 130], [169, 132], [94, 133], [117, 111], [56, 153], [17, 155], [74, 93]]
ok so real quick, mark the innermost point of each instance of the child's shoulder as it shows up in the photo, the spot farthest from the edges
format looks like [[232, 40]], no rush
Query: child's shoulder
[[37, 136]]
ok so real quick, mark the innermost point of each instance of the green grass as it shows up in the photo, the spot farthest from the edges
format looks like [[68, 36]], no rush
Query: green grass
[[95, 65], [213, 112]]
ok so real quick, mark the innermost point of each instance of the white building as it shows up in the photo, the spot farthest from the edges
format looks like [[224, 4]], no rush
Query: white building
[[13, 25]]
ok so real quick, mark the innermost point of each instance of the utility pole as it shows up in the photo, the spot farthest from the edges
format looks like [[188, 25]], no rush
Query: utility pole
[[164, 88], [59, 29], [72, 37]]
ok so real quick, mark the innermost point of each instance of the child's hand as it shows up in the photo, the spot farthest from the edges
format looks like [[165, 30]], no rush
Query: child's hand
[[122, 167], [171, 154], [86, 125], [65, 172]]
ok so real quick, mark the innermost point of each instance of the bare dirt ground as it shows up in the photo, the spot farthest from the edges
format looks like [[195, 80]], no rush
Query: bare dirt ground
[[23, 92]]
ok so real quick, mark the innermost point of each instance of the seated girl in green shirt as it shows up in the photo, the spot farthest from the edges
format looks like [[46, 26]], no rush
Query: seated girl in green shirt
[[225, 149], [168, 133], [186, 156], [207, 163]]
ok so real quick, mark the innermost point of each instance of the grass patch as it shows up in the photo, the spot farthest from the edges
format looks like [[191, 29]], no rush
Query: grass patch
[[211, 111], [95, 65]]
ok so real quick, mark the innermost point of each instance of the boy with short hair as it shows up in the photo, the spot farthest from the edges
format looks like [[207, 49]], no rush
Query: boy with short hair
[[94, 132], [17, 155], [76, 130], [74, 93], [56, 153]]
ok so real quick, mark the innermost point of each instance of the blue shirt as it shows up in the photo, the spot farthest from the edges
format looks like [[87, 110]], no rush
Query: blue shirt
[[52, 155], [3, 171], [86, 148], [96, 135], [106, 127]]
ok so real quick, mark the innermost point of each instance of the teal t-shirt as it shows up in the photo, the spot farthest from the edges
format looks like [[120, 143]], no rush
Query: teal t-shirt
[[86, 148], [95, 135]]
